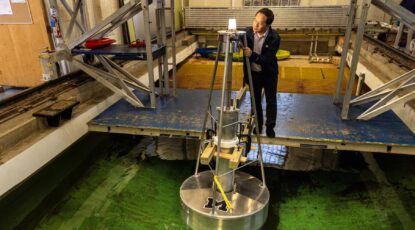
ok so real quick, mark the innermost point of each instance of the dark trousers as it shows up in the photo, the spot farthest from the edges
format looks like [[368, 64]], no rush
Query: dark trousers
[[269, 84]]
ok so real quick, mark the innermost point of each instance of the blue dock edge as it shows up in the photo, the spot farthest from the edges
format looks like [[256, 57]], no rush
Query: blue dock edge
[[303, 120]]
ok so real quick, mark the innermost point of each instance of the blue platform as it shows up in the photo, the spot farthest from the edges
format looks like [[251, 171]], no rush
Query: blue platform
[[303, 120]]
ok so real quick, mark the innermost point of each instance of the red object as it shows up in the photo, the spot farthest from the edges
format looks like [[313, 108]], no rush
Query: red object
[[138, 43], [97, 43]]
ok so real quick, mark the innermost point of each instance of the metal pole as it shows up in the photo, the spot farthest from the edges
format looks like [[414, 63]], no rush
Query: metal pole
[[310, 53], [361, 79], [251, 90], [212, 82], [355, 59], [173, 41], [345, 51], [163, 40], [408, 40], [398, 35], [81, 25], [57, 42], [229, 79], [84, 15], [73, 19], [222, 105], [110, 20], [315, 45], [219, 130], [160, 59], [149, 52]]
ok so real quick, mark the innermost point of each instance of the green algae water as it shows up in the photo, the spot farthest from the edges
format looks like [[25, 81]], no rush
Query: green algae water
[[124, 187]]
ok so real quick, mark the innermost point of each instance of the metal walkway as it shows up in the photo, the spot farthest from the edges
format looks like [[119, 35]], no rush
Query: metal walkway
[[304, 120]]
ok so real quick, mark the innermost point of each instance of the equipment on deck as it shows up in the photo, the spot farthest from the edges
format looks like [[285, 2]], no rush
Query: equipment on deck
[[97, 43], [138, 43], [210, 52]]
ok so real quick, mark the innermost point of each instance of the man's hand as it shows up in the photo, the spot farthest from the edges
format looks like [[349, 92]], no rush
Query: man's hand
[[247, 52]]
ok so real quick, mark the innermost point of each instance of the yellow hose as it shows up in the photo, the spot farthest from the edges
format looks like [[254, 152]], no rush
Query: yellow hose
[[228, 204]]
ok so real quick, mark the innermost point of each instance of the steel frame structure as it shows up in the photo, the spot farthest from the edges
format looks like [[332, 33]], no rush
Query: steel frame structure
[[388, 97], [313, 56], [113, 76]]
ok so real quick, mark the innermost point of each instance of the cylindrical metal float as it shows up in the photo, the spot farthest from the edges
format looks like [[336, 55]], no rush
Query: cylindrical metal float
[[249, 200]]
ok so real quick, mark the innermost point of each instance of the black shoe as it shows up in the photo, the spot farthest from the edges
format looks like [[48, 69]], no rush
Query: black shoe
[[270, 132], [260, 131]]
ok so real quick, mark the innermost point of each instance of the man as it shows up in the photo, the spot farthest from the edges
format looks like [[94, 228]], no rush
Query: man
[[263, 44]]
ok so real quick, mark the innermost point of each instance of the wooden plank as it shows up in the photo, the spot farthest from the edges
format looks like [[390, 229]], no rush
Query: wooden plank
[[207, 154], [236, 158], [20, 47], [56, 108]]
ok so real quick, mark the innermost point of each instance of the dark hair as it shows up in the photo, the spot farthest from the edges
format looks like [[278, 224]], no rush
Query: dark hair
[[268, 13]]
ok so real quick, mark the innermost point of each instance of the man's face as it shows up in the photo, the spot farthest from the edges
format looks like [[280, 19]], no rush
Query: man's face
[[259, 24]]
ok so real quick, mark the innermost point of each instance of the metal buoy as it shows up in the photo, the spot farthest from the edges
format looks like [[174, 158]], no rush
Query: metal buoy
[[223, 197], [249, 200]]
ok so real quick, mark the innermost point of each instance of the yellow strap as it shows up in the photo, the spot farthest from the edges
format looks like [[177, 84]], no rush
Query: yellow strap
[[228, 204]]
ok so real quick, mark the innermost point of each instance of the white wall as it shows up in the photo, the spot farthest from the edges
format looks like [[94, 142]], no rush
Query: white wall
[[139, 21]]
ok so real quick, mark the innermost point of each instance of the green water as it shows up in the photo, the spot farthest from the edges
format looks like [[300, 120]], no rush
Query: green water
[[120, 194], [122, 189]]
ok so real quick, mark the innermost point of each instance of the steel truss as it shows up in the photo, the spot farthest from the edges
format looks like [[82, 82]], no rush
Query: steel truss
[[388, 97], [114, 77]]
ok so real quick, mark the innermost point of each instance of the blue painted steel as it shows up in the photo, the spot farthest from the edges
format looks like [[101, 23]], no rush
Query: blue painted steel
[[122, 51], [184, 112], [206, 52], [300, 117], [315, 117]]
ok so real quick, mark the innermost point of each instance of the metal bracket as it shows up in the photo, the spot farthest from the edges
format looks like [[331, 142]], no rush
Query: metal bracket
[[389, 98]]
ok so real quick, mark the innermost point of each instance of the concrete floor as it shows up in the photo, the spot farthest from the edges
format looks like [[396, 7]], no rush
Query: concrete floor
[[296, 75]]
